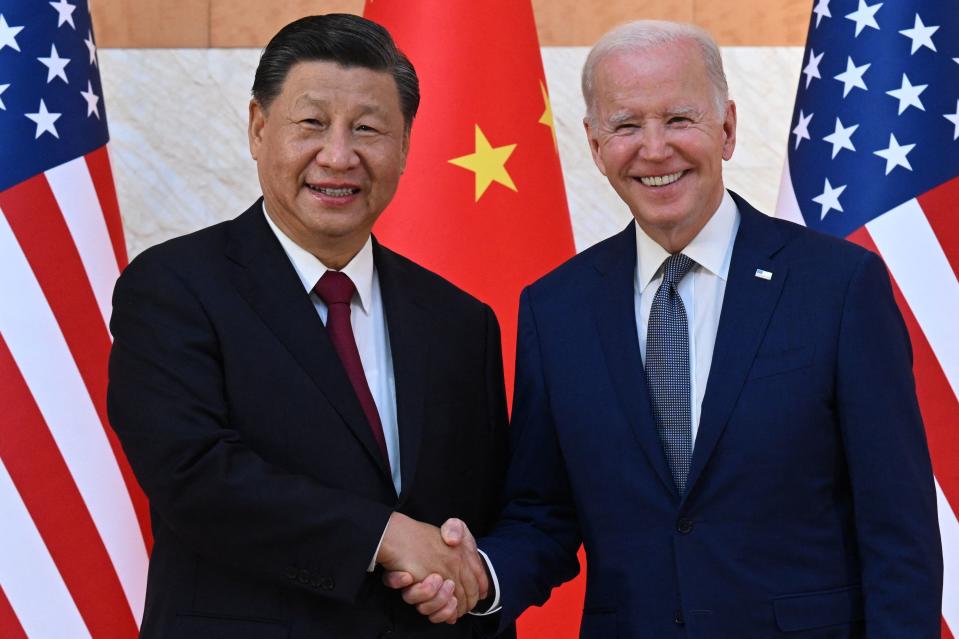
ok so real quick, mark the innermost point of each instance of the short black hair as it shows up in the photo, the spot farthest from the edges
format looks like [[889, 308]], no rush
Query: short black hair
[[346, 39]]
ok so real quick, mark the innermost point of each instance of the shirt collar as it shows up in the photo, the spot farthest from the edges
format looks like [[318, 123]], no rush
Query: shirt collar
[[711, 249], [310, 269]]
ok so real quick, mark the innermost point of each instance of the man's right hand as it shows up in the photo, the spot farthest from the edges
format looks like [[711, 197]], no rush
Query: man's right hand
[[432, 596], [441, 572]]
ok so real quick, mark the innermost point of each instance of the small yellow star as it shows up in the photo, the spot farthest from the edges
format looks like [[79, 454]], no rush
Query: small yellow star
[[547, 117], [488, 163]]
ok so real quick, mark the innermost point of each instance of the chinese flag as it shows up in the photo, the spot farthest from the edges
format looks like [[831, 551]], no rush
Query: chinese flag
[[482, 200]]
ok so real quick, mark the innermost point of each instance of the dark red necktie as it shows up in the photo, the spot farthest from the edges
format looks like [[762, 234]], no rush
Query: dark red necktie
[[336, 290]]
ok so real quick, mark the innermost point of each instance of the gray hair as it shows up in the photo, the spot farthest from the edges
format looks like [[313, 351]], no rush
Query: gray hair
[[647, 34]]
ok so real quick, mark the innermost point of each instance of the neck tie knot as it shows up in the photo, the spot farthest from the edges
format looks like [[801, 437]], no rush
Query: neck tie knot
[[335, 288], [675, 268]]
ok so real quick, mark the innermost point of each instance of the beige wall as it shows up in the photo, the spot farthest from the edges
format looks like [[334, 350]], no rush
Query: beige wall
[[250, 23]]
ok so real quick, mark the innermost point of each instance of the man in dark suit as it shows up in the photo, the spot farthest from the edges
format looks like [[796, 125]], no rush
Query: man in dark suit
[[300, 403], [717, 404]]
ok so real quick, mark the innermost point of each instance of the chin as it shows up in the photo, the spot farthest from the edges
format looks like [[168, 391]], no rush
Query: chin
[[665, 216]]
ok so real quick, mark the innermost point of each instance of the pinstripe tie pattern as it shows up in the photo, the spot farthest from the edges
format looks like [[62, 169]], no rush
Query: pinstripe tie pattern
[[667, 369]]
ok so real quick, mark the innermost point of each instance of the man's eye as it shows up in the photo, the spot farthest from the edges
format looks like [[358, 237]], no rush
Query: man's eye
[[365, 128], [310, 122], [627, 127], [680, 120]]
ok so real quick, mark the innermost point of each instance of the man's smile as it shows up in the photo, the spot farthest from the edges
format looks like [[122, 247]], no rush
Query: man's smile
[[334, 189], [661, 180]]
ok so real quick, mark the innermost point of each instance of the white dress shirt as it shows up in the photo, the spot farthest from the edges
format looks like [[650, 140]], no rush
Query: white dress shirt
[[702, 291], [369, 329]]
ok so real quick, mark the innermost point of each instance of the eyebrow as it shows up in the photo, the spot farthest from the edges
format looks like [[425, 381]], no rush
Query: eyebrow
[[365, 109], [625, 116], [620, 117], [308, 100], [683, 111]]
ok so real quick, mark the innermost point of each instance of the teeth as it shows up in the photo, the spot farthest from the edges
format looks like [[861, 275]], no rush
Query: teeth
[[661, 180], [334, 192]]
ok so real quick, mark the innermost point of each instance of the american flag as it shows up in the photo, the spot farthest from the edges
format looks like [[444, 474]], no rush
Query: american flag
[[74, 536], [874, 157]]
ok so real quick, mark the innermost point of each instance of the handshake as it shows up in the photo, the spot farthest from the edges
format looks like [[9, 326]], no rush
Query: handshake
[[439, 570]]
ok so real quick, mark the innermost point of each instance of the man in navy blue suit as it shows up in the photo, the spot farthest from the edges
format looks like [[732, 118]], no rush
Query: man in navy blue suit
[[719, 405]]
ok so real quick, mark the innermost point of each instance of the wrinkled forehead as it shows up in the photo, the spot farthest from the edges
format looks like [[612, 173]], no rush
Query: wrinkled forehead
[[679, 57], [667, 78]]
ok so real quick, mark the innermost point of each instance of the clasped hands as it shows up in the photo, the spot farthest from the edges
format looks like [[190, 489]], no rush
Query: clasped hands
[[439, 570]]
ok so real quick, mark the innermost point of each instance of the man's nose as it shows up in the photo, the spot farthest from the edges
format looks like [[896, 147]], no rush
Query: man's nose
[[655, 144], [338, 151]]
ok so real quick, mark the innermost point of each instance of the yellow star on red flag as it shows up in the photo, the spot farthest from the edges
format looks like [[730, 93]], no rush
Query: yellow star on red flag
[[547, 117], [488, 163]]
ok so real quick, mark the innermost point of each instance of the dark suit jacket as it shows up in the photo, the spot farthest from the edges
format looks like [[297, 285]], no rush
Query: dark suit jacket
[[268, 496], [810, 511]]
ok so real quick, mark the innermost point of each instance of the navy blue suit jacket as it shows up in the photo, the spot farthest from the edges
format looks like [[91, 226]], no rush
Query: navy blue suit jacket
[[811, 510]]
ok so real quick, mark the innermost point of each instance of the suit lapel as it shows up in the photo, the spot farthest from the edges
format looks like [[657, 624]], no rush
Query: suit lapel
[[268, 282], [408, 324], [615, 316], [748, 304]]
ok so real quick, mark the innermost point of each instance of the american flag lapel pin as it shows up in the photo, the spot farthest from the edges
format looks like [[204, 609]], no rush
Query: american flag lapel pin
[[763, 275]]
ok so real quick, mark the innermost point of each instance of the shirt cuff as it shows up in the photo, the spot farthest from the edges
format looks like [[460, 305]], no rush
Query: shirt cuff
[[376, 552], [495, 606]]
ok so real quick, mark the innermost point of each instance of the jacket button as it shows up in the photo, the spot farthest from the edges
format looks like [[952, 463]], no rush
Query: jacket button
[[678, 617], [291, 573], [327, 583], [304, 576], [684, 526]]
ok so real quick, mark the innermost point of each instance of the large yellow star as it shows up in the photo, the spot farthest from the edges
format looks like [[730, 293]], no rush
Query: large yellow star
[[547, 117], [488, 163]]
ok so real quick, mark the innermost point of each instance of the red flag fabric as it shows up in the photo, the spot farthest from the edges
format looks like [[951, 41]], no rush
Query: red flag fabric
[[75, 534], [482, 200]]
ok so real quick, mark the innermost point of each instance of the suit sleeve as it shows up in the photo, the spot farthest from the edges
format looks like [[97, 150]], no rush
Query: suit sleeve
[[483, 618], [167, 402], [888, 462], [533, 547]]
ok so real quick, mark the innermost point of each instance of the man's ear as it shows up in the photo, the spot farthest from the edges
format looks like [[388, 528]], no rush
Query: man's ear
[[257, 121], [729, 130]]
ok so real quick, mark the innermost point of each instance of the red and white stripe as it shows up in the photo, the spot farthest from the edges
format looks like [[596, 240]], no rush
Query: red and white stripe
[[919, 242], [74, 543]]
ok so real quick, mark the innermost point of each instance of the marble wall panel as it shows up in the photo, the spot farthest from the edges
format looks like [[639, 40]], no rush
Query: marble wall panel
[[180, 156], [178, 141]]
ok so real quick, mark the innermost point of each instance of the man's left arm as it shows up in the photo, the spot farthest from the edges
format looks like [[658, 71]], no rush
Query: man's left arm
[[888, 462]]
